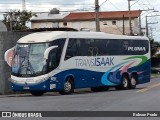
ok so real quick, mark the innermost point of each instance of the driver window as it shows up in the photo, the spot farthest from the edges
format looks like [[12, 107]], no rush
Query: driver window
[[53, 60]]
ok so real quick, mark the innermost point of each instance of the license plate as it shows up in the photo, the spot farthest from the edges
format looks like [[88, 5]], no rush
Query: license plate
[[26, 88]]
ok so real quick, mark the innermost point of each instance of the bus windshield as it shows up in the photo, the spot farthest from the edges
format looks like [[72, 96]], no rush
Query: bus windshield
[[29, 59]]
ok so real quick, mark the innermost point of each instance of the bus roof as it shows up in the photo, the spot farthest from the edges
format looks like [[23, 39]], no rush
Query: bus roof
[[50, 36]]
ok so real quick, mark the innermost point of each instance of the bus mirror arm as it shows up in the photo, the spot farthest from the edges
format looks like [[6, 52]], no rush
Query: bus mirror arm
[[47, 51], [68, 56]]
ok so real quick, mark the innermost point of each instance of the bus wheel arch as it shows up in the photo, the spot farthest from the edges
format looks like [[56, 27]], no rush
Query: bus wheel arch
[[68, 86], [124, 82], [133, 81]]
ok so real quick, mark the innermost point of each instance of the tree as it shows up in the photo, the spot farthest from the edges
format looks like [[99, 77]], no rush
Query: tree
[[16, 19], [154, 46]]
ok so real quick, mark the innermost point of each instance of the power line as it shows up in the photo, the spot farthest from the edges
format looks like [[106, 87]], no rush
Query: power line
[[43, 4], [144, 4], [113, 5], [103, 3], [7, 6], [135, 2], [150, 4]]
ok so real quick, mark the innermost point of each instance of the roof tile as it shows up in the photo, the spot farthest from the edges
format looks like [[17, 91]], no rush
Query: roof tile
[[102, 15]]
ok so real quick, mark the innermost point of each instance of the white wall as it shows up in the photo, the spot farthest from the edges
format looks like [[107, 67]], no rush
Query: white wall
[[109, 27], [43, 25]]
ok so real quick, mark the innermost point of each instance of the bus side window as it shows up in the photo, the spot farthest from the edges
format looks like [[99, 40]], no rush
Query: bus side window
[[71, 49], [59, 42], [53, 60], [93, 51], [114, 47], [125, 45], [83, 47], [142, 44], [101, 47], [130, 47], [92, 47]]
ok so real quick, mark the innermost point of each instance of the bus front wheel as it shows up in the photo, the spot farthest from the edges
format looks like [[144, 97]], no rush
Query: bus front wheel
[[37, 93], [68, 87]]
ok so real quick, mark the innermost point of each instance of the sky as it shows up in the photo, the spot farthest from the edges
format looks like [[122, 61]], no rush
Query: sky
[[88, 5]]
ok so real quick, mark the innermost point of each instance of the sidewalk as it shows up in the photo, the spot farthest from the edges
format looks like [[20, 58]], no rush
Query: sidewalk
[[155, 75]]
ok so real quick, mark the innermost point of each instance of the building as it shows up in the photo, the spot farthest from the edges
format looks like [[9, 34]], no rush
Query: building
[[115, 22], [47, 20]]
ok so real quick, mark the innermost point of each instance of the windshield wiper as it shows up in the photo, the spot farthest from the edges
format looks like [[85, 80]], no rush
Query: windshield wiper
[[26, 65]]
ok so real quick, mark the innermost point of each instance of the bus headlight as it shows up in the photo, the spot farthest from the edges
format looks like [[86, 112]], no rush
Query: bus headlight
[[12, 80]]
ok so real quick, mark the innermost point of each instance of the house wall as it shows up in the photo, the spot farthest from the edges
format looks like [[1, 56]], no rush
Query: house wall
[[105, 25], [44, 25]]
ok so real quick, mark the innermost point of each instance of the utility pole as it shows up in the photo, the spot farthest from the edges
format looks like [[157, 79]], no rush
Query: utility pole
[[146, 27], [140, 31], [123, 26], [130, 24], [151, 33], [97, 15], [23, 5], [147, 33], [140, 22]]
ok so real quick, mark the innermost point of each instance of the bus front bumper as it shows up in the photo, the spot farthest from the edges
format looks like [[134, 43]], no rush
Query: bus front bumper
[[42, 86]]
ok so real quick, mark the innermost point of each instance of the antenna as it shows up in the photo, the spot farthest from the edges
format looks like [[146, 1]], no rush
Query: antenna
[[23, 5]]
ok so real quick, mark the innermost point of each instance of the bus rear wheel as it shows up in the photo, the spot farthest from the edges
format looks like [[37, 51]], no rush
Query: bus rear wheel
[[124, 83], [37, 93], [68, 87], [133, 82]]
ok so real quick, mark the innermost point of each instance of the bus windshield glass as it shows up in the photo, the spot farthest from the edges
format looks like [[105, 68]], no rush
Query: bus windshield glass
[[29, 59]]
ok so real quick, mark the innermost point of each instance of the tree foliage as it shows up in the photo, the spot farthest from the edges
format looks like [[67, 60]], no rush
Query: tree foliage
[[16, 19], [154, 46]]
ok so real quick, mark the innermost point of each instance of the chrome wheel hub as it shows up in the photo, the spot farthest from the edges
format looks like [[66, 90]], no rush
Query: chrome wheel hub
[[125, 82], [133, 81], [67, 86]]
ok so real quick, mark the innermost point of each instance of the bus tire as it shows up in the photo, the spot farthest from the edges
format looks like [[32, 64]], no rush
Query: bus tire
[[133, 82], [124, 83], [68, 87], [37, 93], [99, 89]]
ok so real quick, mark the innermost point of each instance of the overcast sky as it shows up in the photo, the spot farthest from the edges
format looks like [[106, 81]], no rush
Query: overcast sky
[[88, 5]]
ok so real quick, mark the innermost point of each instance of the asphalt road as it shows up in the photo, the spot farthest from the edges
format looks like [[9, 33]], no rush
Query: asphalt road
[[145, 97]]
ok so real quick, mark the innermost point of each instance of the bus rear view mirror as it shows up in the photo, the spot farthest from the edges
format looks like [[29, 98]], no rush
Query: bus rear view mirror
[[8, 56], [47, 51]]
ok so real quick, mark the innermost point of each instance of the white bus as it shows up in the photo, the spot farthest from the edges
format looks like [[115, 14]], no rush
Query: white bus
[[64, 61]]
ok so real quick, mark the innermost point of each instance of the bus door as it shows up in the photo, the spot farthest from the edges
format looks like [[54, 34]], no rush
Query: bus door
[[72, 54]]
